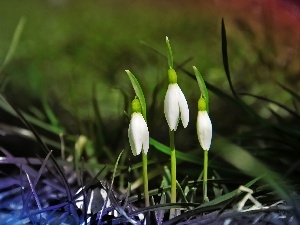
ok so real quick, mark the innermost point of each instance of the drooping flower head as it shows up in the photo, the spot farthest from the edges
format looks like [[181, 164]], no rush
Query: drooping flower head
[[175, 103], [138, 133], [204, 126]]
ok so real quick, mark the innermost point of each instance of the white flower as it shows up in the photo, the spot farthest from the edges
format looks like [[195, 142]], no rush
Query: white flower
[[138, 134], [175, 104], [204, 130]]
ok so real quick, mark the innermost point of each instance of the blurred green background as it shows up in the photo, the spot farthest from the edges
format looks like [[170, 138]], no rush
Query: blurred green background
[[69, 46], [72, 49]]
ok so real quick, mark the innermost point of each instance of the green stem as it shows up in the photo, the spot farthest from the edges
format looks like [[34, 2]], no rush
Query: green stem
[[145, 178], [205, 198], [173, 172]]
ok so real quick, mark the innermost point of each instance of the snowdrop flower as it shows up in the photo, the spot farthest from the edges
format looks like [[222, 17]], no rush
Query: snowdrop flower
[[204, 126], [138, 133], [175, 103]]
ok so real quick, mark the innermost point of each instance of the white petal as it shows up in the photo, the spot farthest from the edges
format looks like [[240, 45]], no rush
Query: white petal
[[171, 106], [144, 134], [132, 141], [204, 129], [146, 140], [184, 108], [138, 134]]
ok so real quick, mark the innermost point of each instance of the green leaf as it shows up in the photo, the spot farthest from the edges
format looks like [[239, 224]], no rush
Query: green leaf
[[54, 121], [138, 91], [292, 112], [202, 86], [116, 205], [290, 91], [14, 42], [170, 55], [244, 161], [180, 155], [230, 194], [225, 57]]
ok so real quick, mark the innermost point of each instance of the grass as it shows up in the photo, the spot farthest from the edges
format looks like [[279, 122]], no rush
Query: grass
[[249, 149]]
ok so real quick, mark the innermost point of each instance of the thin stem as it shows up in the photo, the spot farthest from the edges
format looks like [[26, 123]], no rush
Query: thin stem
[[173, 172], [145, 178], [205, 164]]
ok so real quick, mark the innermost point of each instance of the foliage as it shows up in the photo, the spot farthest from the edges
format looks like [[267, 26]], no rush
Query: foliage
[[264, 149]]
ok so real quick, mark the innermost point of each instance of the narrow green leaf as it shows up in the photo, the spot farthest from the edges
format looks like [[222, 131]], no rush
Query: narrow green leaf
[[292, 112], [110, 196], [167, 176], [14, 42], [290, 91], [30, 118], [180, 155], [99, 134], [244, 161], [79, 149], [230, 194], [170, 54], [225, 57], [202, 86], [138, 91], [54, 121], [115, 168], [181, 192]]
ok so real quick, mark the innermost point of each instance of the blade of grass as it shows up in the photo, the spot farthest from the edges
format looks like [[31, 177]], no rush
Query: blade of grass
[[180, 155], [181, 192], [225, 57], [293, 113], [99, 139], [249, 165], [113, 199], [46, 151], [33, 192], [292, 93], [14, 44], [52, 117], [32, 186], [41, 124]]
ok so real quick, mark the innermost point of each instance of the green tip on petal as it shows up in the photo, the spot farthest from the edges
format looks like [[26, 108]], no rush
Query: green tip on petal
[[172, 76], [201, 104], [136, 106]]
